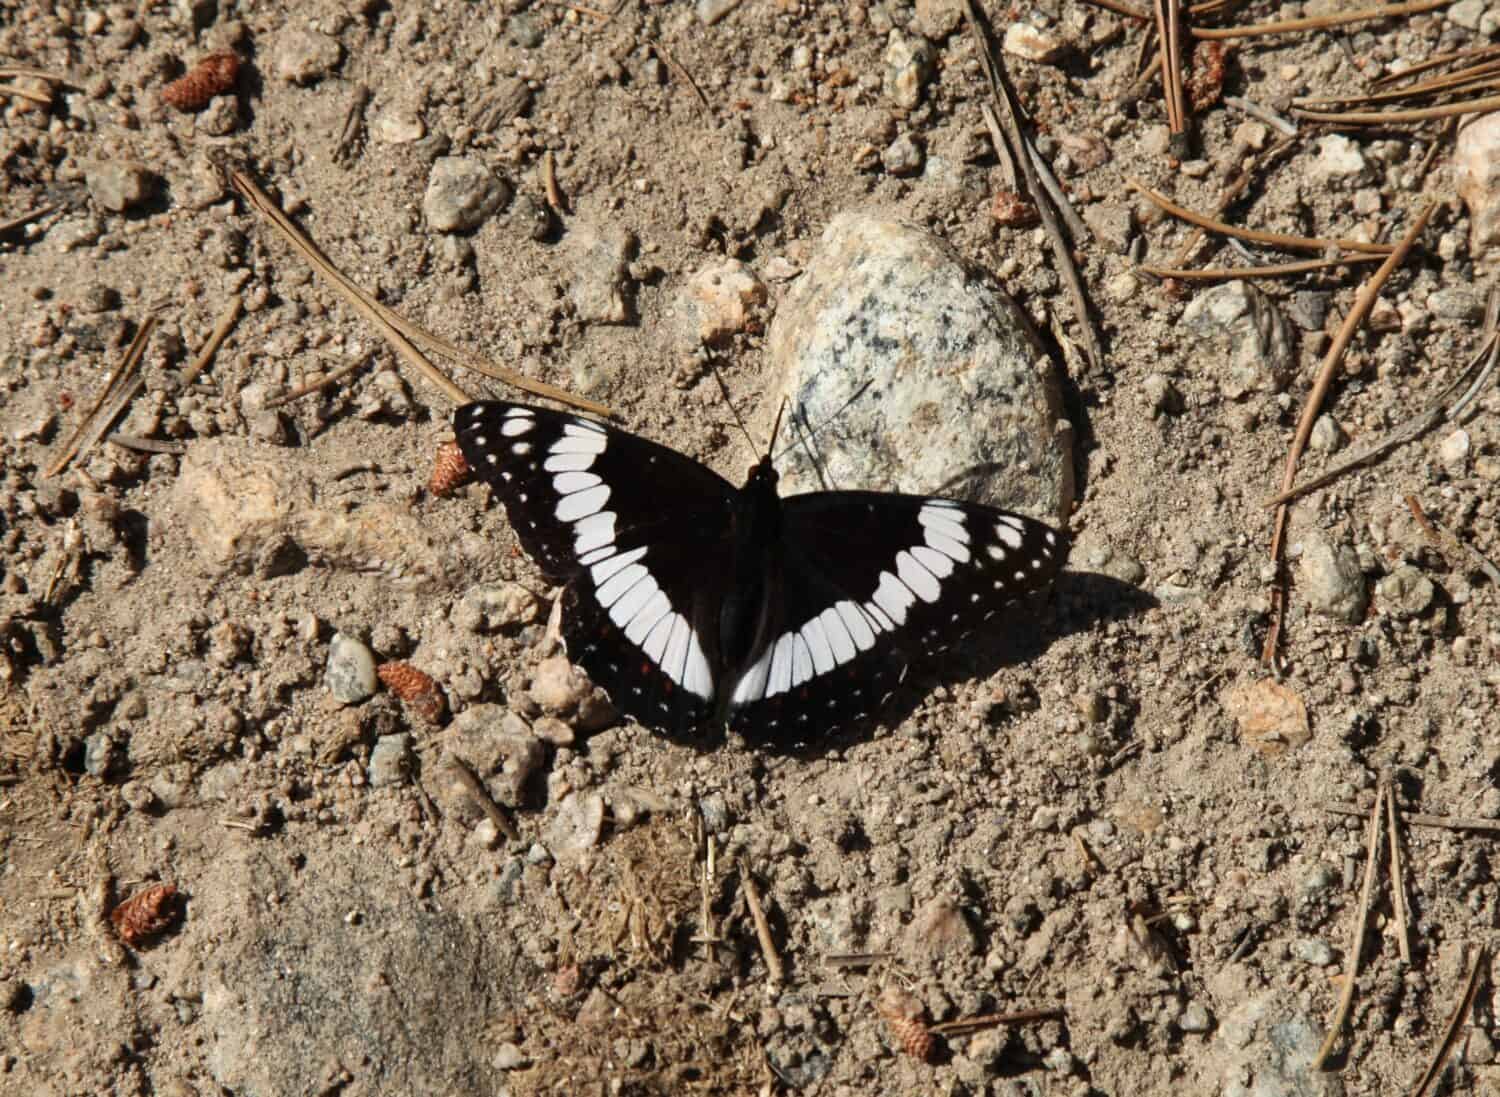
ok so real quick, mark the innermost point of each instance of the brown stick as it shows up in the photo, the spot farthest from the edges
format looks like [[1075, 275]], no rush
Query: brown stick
[[26, 218], [1320, 22], [1398, 876], [964, 1025], [1271, 270], [1364, 301], [401, 333], [1418, 819], [1435, 61], [1275, 239], [774, 971], [1021, 152], [1357, 938], [1455, 1025], [1168, 27], [216, 339], [481, 796], [1387, 117], [120, 390]]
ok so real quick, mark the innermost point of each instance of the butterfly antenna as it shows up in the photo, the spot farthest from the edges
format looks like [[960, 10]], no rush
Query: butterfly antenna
[[807, 431], [723, 388], [776, 427]]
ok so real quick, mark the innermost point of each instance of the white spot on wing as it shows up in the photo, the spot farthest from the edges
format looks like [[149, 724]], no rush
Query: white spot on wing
[[858, 624], [802, 663], [818, 645], [839, 638], [568, 462], [585, 424], [595, 531], [566, 483], [781, 666], [656, 641], [574, 440], [697, 678], [893, 599], [1009, 535], [637, 627], [582, 503], [617, 585], [517, 425], [934, 561], [674, 661], [752, 684], [634, 600], [601, 571], [921, 581]]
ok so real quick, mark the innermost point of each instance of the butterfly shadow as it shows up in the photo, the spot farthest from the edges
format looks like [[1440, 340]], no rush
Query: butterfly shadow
[[1078, 602]]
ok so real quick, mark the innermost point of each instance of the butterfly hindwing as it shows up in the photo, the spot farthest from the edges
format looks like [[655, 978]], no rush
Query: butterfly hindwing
[[634, 530], [872, 579]]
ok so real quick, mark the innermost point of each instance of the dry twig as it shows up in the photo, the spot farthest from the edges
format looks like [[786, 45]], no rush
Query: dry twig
[[480, 795], [1446, 407], [1455, 1025], [313, 386], [117, 393], [1363, 302], [26, 218], [1022, 153], [1271, 270], [1398, 875], [1274, 239], [1390, 117], [1168, 32], [1320, 22], [1357, 937], [1418, 819], [222, 326], [401, 333], [965, 1025], [774, 971]]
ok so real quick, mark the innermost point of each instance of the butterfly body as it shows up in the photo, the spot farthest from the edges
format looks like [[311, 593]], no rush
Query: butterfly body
[[691, 600]]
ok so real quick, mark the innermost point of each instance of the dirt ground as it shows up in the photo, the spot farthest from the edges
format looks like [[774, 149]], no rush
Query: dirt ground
[[1103, 812]]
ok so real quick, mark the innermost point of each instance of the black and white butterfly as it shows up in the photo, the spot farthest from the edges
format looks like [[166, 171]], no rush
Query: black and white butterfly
[[689, 599]]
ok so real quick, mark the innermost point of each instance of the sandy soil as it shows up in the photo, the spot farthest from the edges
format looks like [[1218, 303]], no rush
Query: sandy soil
[[1103, 809]]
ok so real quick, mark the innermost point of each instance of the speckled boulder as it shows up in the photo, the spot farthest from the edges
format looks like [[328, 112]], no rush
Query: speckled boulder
[[905, 371]]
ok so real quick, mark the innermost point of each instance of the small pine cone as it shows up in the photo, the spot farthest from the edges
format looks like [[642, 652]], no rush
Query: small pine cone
[[214, 75], [416, 688], [905, 1017], [1010, 209], [449, 470], [145, 914]]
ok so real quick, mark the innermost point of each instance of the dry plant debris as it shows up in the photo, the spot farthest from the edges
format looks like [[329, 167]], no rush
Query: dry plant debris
[[214, 75], [449, 470], [416, 688], [906, 1017], [145, 914]]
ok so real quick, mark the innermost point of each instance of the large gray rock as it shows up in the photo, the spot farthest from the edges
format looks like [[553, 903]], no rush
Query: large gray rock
[[904, 371]]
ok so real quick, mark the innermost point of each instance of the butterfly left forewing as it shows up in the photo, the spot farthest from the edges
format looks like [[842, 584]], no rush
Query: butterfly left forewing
[[872, 579], [633, 529]]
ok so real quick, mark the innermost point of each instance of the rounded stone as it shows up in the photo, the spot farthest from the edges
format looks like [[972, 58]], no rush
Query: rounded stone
[[119, 185], [1405, 592], [461, 193], [1331, 580], [1245, 334], [902, 370], [303, 56], [390, 760], [351, 670]]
